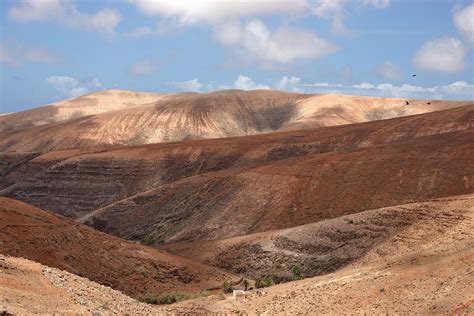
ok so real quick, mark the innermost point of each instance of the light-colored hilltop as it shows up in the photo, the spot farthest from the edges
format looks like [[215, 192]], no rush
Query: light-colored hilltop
[[127, 118], [89, 104]]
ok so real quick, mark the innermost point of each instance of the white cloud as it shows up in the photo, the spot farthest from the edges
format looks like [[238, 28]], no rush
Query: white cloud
[[142, 68], [464, 21], [459, 90], [72, 87], [247, 83], [14, 54], [445, 54], [336, 12], [65, 12], [285, 45], [388, 70], [193, 85], [289, 84], [217, 11]]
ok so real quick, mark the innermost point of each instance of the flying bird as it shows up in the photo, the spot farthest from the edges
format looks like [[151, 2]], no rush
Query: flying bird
[[413, 75]]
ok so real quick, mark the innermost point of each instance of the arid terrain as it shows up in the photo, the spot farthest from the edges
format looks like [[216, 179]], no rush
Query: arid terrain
[[116, 117], [116, 194]]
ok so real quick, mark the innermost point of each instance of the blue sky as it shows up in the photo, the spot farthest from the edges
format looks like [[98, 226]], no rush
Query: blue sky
[[56, 49]]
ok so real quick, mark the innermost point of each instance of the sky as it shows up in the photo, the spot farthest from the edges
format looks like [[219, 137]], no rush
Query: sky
[[57, 49]]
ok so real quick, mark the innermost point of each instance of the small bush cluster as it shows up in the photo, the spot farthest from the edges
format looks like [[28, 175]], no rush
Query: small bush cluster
[[272, 279], [297, 274], [168, 298], [227, 287]]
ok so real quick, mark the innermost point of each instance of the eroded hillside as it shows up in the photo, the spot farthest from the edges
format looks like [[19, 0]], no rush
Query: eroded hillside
[[117, 117], [28, 232]]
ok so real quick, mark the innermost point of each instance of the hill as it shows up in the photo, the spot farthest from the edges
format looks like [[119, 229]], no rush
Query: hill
[[28, 232], [117, 117], [422, 267], [339, 155]]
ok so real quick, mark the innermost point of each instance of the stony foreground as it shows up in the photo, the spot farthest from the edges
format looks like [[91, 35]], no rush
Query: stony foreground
[[426, 268]]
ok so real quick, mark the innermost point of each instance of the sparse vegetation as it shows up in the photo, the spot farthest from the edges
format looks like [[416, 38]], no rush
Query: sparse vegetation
[[264, 281], [169, 298], [246, 284], [272, 279], [297, 274], [227, 287]]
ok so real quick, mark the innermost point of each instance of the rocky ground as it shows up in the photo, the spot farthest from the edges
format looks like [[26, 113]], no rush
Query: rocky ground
[[424, 268], [27, 287], [427, 268]]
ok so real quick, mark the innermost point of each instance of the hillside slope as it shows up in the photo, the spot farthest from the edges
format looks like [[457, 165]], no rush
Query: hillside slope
[[27, 287], [89, 104], [28, 232], [326, 246], [65, 181], [294, 191], [424, 268], [126, 118]]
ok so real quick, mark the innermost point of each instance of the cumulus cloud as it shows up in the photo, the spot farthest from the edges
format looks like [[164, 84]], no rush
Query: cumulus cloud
[[445, 54], [284, 45], [72, 87], [247, 83], [142, 68], [193, 85], [336, 12], [14, 54], [464, 21], [289, 84], [65, 12], [242, 82], [217, 11], [459, 90], [388, 70]]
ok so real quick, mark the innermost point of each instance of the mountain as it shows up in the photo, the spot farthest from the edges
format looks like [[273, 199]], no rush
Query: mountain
[[89, 104], [117, 117], [163, 191], [31, 233]]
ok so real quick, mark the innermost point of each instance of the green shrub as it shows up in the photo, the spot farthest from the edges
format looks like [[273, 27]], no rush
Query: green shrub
[[297, 274], [168, 298], [264, 281], [227, 287], [246, 284]]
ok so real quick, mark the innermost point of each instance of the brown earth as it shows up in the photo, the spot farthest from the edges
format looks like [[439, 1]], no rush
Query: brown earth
[[28, 232], [425, 267], [117, 117], [294, 191], [64, 181], [27, 287], [326, 246]]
